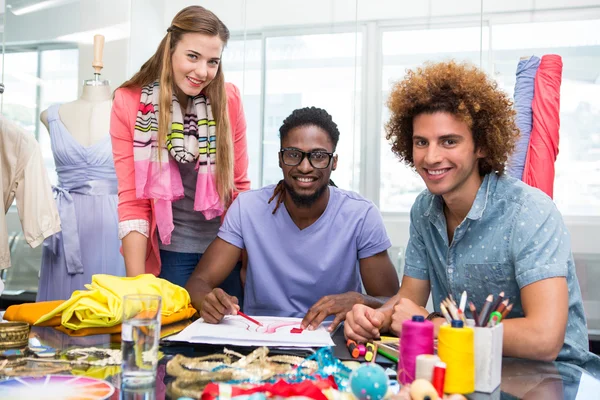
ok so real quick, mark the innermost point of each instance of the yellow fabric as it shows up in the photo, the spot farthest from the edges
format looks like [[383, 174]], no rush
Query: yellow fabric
[[101, 306], [31, 312], [183, 314]]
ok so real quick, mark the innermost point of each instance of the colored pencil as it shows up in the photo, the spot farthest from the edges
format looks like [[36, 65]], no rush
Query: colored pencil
[[502, 306], [507, 311], [485, 310], [474, 313], [387, 351], [496, 304], [241, 314], [445, 313], [463, 301], [461, 316], [453, 310]]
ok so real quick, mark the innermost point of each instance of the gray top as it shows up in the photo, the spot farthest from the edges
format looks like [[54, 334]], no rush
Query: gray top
[[192, 232]]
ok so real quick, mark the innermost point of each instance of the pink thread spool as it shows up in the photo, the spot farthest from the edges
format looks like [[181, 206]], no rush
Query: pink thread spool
[[416, 339]]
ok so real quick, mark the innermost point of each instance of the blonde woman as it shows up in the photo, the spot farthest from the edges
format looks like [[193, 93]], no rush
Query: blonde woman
[[179, 145]]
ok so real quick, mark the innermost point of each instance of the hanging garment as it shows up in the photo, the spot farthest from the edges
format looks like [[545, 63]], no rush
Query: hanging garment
[[24, 178], [86, 196], [543, 143], [526, 70]]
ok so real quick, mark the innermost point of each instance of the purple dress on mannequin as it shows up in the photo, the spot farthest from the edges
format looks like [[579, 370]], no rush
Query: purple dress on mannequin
[[86, 197]]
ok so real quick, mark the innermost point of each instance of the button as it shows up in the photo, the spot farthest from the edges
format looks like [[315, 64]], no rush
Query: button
[[450, 270]]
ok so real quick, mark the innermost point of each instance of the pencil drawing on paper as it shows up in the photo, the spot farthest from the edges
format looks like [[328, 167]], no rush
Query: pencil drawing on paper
[[267, 327], [237, 330]]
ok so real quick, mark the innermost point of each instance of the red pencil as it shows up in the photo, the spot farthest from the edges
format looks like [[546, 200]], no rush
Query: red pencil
[[241, 314]]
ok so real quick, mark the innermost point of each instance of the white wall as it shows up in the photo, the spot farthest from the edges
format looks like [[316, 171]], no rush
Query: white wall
[[80, 21], [148, 27]]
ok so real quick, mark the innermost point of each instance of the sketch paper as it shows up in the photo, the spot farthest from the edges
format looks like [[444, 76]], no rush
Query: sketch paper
[[238, 331]]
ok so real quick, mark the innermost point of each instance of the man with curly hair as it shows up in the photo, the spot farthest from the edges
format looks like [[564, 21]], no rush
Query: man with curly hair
[[475, 229], [309, 244]]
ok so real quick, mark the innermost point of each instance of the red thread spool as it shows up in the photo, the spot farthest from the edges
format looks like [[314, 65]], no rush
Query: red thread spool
[[438, 378]]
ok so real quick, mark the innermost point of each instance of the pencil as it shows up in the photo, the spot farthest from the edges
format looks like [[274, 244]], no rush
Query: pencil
[[452, 299], [502, 306], [241, 314], [496, 304], [474, 313], [453, 310], [387, 353], [463, 301], [462, 317], [485, 310], [445, 313], [507, 311]]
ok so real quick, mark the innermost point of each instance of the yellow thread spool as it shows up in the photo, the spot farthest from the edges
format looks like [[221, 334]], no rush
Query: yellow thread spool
[[456, 349]]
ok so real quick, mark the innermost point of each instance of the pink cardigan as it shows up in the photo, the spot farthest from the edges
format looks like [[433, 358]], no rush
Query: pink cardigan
[[122, 122]]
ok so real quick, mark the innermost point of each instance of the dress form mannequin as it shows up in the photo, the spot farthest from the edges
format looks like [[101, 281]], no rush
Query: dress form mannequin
[[81, 147], [88, 118]]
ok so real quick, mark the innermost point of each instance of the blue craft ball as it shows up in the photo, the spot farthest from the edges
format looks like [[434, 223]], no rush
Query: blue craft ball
[[369, 382]]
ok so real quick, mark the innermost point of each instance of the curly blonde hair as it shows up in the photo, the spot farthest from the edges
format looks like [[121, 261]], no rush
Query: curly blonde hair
[[463, 91]]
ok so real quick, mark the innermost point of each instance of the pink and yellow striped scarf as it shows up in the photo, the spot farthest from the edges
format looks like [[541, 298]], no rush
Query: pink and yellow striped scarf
[[190, 139]]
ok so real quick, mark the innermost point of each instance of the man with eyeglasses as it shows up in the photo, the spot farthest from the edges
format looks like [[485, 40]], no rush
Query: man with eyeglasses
[[309, 243]]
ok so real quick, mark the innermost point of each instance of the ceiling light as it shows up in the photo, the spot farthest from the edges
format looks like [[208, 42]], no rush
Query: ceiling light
[[38, 6]]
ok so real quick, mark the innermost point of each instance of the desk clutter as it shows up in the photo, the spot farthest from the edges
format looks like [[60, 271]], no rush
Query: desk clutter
[[466, 357], [212, 376], [469, 351]]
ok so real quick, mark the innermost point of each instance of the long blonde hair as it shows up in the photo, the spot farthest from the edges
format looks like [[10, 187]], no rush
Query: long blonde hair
[[195, 19]]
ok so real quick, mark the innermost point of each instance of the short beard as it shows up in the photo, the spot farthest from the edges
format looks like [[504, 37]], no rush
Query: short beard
[[304, 201]]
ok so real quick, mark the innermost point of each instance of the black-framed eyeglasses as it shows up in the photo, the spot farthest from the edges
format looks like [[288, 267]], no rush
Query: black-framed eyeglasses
[[318, 159]]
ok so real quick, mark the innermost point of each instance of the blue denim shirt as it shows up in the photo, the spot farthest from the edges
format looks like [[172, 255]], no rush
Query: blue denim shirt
[[513, 236]]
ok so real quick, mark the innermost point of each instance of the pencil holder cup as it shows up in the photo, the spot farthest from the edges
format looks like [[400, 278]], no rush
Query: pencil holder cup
[[488, 357]]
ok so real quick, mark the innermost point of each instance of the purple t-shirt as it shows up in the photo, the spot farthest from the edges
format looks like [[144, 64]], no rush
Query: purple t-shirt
[[291, 269]]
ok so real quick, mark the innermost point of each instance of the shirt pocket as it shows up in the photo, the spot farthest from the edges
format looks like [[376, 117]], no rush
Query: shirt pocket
[[484, 279]]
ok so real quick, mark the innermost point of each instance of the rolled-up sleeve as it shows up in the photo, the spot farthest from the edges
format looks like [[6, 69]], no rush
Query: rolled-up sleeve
[[541, 243]]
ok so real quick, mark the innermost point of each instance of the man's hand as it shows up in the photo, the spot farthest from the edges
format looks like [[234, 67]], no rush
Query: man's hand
[[363, 323], [403, 310], [337, 304], [218, 304]]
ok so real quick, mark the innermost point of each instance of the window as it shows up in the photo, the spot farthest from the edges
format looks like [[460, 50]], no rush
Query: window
[[20, 89], [577, 179], [322, 70], [33, 81], [242, 67], [400, 184]]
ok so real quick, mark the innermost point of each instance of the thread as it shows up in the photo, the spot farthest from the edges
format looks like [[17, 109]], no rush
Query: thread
[[439, 374], [416, 339], [425, 364], [456, 349]]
